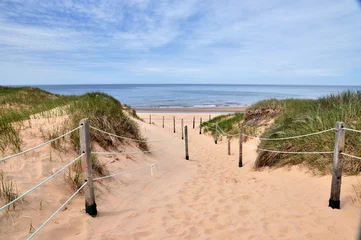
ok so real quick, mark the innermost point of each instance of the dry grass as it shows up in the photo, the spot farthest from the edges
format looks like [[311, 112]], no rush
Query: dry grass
[[8, 191]]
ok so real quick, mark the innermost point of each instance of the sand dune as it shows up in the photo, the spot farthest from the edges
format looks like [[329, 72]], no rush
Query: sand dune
[[208, 197]]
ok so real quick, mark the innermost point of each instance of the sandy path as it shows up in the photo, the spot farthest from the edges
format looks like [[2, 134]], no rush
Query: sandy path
[[211, 198]]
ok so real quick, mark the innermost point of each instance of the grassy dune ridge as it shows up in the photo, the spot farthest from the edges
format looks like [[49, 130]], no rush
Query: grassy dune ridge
[[104, 112], [293, 117]]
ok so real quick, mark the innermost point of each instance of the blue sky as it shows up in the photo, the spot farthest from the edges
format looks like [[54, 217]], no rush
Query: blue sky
[[189, 41]]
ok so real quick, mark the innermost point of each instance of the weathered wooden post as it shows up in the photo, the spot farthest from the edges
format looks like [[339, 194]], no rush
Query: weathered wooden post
[[334, 201], [240, 163], [186, 141], [209, 117], [163, 122], [216, 137], [182, 129], [200, 126], [174, 124], [150, 118], [229, 146], [85, 148], [194, 122]]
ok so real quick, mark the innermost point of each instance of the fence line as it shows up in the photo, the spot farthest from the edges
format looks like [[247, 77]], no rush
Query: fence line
[[39, 146], [57, 211], [352, 130], [40, 184], [352, 156], [131, 139], [139, 152], [285, 152]]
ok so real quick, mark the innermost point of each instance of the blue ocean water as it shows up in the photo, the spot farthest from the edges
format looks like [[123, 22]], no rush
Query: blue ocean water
[[197, 95]]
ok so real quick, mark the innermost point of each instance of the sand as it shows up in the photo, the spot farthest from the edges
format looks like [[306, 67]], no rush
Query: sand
[[207, 197]]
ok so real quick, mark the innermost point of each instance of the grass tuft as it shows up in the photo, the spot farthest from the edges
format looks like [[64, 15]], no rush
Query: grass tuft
[[8, 191]]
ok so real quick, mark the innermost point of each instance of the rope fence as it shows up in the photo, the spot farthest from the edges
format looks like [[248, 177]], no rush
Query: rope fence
[[85, 156]]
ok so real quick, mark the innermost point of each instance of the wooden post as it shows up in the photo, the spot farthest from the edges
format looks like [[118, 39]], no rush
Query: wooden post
[[150, 118], [200, 126], [209, 117], [85, 148], [174, 124], [186, 141], [216, 137], [334, 201], [240, 163], [229, 146], [194, 122], [182, 129], [163, 122]]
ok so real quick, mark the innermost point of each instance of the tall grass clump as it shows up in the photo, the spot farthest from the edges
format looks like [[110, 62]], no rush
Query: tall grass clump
[[297, 117], [8, 191], [229, 123], [104, 112]]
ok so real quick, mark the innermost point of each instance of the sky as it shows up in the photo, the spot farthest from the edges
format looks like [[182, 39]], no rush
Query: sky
[[188, 41]]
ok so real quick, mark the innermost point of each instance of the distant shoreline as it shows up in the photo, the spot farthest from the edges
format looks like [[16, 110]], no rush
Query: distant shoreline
[[190, 109]]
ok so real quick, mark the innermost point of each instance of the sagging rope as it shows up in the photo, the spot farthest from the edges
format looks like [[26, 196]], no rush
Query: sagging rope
[[284, 152], [352, 156], [57, 211], [39, 146], [139, 152], [279, 139], [131, 139], [44, 181], [134, 170], [352, 130]]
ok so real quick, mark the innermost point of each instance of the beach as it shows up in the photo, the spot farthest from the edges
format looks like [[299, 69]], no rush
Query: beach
[[205, 197]]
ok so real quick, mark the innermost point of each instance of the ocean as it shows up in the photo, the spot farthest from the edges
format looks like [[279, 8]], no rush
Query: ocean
[[197, 95]]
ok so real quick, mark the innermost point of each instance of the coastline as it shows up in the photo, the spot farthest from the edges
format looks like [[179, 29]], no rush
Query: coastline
[[203, 110]]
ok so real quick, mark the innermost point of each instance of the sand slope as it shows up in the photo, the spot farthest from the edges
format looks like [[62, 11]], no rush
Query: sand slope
[[208, 197]]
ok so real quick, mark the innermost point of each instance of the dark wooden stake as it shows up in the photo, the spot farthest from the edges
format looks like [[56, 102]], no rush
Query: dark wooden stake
[[85, 148], [182, 129], [216, 137], [240, 163], [194, 122], [186, 141], [334, 201], [150, 118], [163, 122], [200, 126], [174, 124]]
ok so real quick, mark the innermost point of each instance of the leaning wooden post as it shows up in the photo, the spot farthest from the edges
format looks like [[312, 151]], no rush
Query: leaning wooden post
[[194, 122], [85, 148], [174, 124], [216, 137], [240, 163], [334, 201], [229, 146], [163, 122], [186, 141], [200, 126], [182, 129]]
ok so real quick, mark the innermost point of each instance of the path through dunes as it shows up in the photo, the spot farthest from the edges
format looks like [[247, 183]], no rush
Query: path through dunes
[[209, 197]]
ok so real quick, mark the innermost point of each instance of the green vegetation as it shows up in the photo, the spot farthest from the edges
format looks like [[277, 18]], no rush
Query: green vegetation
[[103, 111], [229, 123], [297, 117], [8, 190]]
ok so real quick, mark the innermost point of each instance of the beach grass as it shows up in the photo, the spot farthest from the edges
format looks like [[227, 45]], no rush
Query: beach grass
[[105, 112], [230, 123], [293, 117]]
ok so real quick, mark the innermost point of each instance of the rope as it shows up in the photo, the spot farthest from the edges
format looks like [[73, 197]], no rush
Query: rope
[[139, 152], [293, 137], [43, 144], [227, 134], [131, 139], [133, 170], [352, 130], [276, 151], [56, 212], [38, 185], [352, 156]]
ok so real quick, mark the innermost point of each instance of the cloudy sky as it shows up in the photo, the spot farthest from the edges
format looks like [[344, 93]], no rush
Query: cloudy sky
[[188, 41]]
